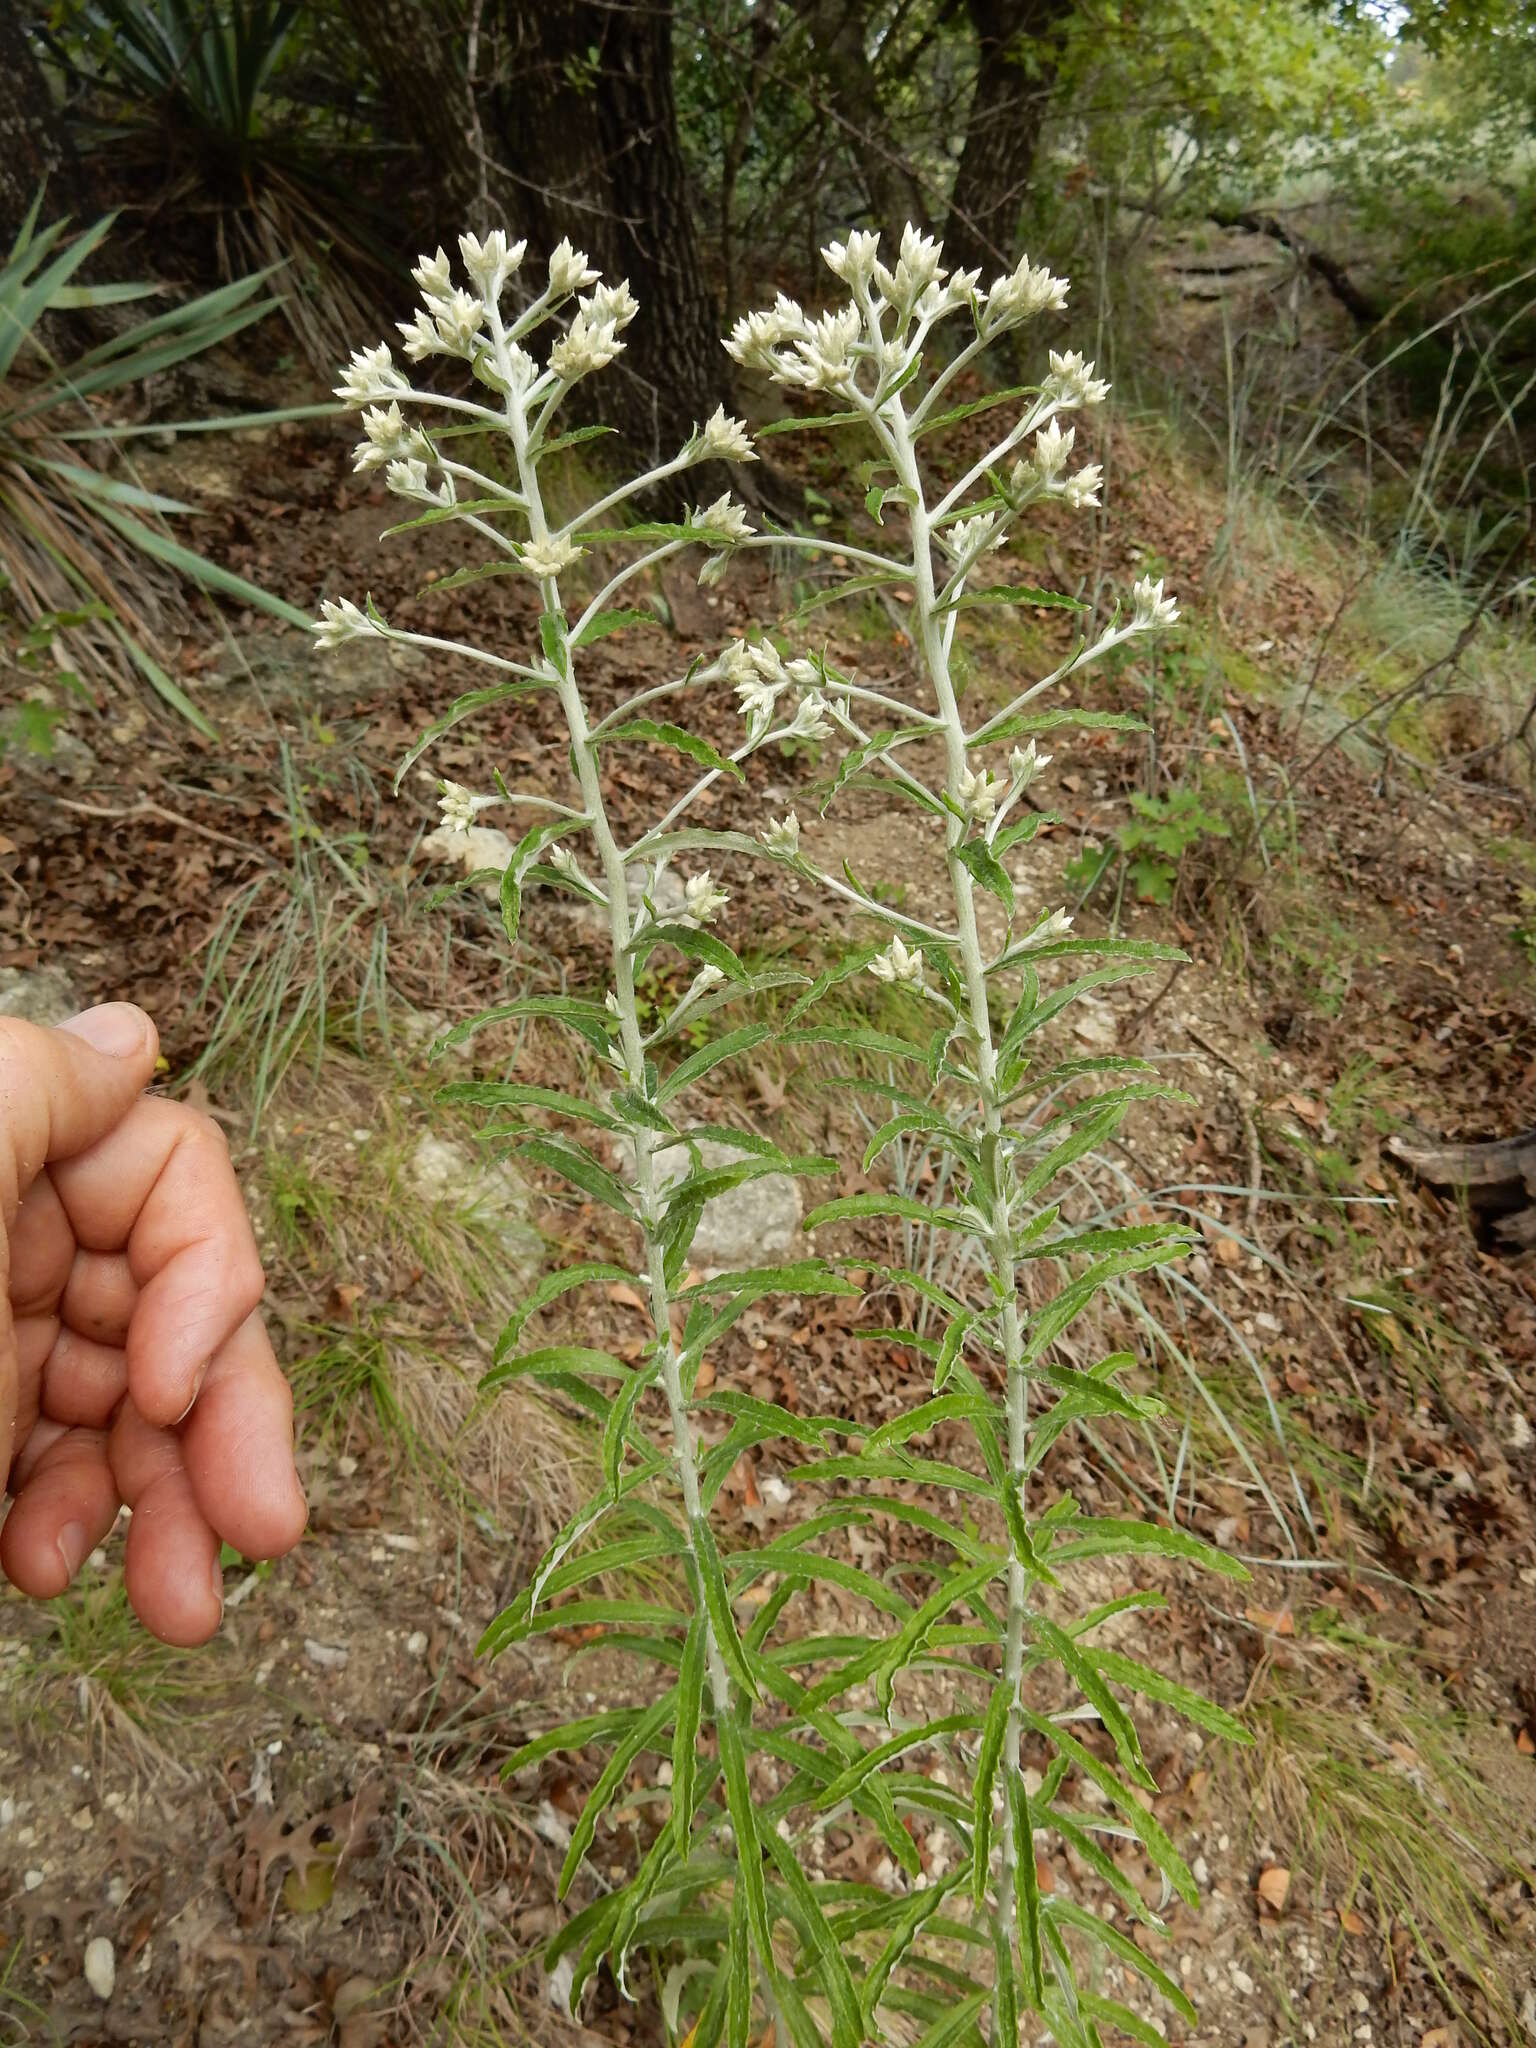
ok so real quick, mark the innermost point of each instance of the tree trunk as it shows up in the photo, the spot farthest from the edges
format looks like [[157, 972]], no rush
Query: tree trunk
[[1016, 60], [587, 124], [838, 31], [35, 148], [420, 51]]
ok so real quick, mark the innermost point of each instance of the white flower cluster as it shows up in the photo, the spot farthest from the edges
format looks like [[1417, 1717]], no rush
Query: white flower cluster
[[897, 964], [341, 620], [721, 439], [550, 556], [1045, 474], [460, 806], [759, 675], [703, 900], [1151, 608], [1027, 291], [782, 835]]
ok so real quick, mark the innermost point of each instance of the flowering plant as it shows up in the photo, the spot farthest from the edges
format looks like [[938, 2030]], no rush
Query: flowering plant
[[769, 1735]]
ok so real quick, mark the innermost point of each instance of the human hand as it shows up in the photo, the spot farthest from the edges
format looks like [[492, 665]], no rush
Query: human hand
[[134, 1365]]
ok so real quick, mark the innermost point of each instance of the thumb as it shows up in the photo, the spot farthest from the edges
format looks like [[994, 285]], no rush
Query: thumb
[[61, 1090]]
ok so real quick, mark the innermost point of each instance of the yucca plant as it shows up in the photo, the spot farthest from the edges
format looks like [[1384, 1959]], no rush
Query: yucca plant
[[85, 550], [187, 92], [906, 1732]]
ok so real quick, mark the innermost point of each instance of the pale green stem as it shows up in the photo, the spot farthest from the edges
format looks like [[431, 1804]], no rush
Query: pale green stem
[[585, 756], [892, 424]]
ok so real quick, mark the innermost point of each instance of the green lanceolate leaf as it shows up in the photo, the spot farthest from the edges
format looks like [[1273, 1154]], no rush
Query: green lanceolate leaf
[[616, 1428], [903, 1206], [907, 1923], [550, 1288], [460, 709], [511, 900], [988, 1758], [589, 1020], [642, 1735], [1013, 593], [1026, 1890], [749, 1853], [601, 624], [887, 1661], [1153, 1686], [837, 1984], [552, 638], [738, 2024], [708, 1057], [1103, 1536], [576, 1165], [555, 1358], [987, 871], [848, 1781], [1069, 1913], [685, 1734], [1142, 1824], [717, 1602], [1063, 1650], [696, 945], [1023, 722], [665, 735]]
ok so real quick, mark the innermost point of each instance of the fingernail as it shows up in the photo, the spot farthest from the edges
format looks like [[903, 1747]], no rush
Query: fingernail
[[120, 1029], [74, 1547], [218, 1583], [197, 1387]]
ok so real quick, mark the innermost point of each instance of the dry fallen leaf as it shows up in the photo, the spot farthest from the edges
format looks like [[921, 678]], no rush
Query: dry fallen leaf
[[1228, 1251], [1350, 1920], [1275, 1886], [1280, 1624]]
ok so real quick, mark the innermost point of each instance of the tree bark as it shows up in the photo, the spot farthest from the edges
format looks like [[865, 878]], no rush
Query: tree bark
[[838, 30], [1016, 62], [586, 122], [35, 148]]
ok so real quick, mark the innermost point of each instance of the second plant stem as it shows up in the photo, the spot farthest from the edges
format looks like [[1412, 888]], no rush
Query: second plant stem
[[892, 426]]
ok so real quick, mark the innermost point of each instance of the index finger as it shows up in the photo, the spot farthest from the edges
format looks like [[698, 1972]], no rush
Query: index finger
[[62, 1089], [161, 1187]]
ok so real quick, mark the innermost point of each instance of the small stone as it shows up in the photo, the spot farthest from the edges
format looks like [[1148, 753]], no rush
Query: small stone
[[1241, 1981], [416, 1643], [1200, 1870], [32, 1880], [101, 1967], [346, 1465], [329, 1656], [7, 1812], [82, 1820]]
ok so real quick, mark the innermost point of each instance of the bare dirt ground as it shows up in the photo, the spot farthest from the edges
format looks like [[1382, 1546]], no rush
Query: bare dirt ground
[[301, 1835]]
